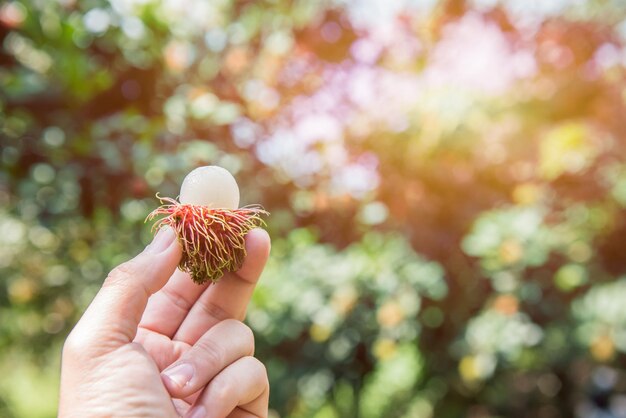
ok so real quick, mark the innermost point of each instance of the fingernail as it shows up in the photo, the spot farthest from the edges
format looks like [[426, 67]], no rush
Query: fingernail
[[162, 240], [180, 374], [196, 412]]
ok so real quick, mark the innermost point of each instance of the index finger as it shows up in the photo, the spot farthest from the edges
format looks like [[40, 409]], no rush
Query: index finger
[[229, 297]]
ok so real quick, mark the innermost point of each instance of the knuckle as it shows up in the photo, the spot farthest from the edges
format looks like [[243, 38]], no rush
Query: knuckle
[[222, 389], [248, 338], [121, 273], [244, 334], [258, 370], [230, 322], [243, 329], [176, 298], [212, 354], [123, 276], [215, 311]]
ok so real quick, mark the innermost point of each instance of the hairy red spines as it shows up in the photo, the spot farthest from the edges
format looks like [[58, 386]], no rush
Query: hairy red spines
[[213, 240]]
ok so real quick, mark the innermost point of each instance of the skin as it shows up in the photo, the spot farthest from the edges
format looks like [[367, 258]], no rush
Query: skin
[[154, 344]]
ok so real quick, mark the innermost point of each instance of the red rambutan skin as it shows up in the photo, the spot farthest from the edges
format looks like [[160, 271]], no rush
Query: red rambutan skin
[[213, 240]]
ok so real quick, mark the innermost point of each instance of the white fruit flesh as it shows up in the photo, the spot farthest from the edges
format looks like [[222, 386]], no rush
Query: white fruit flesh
[[210, 186]]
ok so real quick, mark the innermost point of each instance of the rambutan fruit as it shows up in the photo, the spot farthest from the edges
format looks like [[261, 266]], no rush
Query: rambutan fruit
[[212, 237]]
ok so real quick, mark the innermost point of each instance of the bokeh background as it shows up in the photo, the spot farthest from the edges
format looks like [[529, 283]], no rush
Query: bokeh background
[[446, 182]]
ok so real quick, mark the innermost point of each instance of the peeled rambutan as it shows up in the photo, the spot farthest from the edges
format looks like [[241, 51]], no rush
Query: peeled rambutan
[[212, 238]]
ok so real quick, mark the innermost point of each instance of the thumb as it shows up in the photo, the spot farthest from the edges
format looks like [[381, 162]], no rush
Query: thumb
[[111, 319]]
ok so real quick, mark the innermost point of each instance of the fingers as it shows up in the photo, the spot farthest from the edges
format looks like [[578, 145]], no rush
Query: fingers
[[112, 317], [241, 413], [240, 390], [222, 345], [181, 407], [168, 307], [161, 348], [229, 297]]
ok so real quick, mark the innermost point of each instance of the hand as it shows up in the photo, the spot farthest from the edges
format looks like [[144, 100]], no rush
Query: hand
[[154, 344]]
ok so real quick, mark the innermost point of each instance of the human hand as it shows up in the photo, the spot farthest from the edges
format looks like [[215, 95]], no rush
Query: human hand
[[154, 344]]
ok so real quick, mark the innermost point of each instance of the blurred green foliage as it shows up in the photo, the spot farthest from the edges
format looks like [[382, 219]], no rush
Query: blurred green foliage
[[447, 183]]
